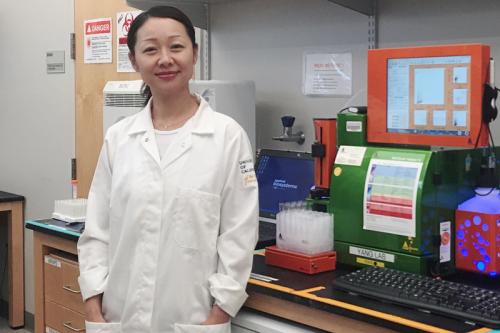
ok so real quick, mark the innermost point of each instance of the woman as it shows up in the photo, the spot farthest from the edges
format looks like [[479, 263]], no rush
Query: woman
[[172, 210]]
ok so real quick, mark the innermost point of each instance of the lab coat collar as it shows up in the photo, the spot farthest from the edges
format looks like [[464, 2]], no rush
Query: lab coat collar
[[202, 122]]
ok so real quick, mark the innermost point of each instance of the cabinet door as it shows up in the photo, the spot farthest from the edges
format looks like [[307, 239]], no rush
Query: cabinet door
[[59, 319], [61, 282]]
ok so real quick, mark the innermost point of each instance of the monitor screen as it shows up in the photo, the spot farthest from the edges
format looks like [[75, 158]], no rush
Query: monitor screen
[[428, 95], [282, 177]]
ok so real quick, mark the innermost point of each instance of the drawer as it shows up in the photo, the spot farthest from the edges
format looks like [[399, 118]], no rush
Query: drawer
[[61, 282], [59, 319]]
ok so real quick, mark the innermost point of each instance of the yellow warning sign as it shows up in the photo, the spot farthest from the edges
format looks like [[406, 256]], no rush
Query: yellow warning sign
[[409, 247], [369, 262]]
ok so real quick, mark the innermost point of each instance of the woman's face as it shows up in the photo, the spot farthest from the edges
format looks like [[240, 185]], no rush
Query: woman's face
[[164, 55]]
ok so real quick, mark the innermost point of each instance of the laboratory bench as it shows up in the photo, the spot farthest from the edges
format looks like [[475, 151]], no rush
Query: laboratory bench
[[273, 289], [12, 207], [292, 296]]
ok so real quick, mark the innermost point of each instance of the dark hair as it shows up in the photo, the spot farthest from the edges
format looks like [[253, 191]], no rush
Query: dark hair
[[161, 12]]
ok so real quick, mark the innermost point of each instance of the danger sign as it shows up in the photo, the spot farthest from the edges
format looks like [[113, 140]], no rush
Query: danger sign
[[97, 41], [123, 22], [101, 27]]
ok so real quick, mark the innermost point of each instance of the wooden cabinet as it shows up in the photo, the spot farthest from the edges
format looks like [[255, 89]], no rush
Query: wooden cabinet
[[64, 310], [58, 301]]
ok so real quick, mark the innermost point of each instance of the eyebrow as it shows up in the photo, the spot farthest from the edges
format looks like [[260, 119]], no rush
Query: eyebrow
[[154, 38]]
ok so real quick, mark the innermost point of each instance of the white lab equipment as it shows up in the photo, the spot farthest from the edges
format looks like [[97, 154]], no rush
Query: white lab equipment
[[70, 210], [300, 229], [233, 98], [121, 99]]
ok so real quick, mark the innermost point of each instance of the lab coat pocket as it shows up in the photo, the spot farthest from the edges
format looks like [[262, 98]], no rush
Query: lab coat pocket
[[220, 328], [196, 219], [93, 327]]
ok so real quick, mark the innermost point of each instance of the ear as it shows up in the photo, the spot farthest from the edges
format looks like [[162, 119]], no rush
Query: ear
[[131, 57]]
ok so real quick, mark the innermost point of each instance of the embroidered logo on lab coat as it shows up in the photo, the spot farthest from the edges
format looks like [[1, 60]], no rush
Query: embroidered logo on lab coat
[[247, 172]]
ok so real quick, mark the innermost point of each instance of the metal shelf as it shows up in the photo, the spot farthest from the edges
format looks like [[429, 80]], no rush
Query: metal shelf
[[197, 10], [199, 13], [366, 7]]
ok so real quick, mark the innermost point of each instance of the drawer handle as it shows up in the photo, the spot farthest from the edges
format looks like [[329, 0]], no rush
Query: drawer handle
[[68, 325], [71, 290]]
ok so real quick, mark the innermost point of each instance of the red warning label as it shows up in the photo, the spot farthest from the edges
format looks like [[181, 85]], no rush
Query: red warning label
[[99, 27]]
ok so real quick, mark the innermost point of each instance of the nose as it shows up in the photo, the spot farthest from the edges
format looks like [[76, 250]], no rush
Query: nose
[[165, 58]]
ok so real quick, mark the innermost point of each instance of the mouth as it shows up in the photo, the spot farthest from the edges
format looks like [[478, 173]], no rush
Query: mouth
[[168, 75]]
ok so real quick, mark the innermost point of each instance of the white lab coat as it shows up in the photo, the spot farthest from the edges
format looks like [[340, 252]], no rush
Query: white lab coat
[[166, 239]]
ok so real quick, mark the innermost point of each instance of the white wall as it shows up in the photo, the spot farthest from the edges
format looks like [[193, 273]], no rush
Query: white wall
[[37, 110], [264, 41]]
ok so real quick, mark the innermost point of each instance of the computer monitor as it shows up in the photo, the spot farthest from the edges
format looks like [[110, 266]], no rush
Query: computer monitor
[[430, 95], [283, 176]]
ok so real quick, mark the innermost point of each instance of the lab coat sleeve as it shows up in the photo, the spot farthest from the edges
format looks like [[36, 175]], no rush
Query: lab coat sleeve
[[238, 233], [93, 243]]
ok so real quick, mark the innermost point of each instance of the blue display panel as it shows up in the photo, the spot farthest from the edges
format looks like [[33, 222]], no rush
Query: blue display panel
[[429, 95], [282, 179]]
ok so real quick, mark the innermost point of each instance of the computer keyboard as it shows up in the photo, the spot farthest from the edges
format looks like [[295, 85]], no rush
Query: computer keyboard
[[457, 300]]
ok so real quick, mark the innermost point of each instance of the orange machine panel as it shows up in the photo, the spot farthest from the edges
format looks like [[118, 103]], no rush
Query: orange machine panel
[[325, 135], [475, 74]]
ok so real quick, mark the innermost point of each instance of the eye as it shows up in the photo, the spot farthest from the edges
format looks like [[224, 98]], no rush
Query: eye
[[177, 47], [149, 50]]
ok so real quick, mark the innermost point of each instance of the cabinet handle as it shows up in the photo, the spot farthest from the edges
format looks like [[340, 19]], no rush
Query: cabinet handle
[[74, 291], [68, 325]]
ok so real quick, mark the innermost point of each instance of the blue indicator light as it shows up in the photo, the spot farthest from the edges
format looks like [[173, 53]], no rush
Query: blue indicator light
[[482, 251], [493, 273], [480, 266], [477, 234], [465, 253], [460, 244], [487, 259], [467, 223], [476, 219], [460, 234], [481, 240], [485, 227]]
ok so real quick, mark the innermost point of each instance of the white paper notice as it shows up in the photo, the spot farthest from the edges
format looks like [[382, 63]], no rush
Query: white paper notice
[[98, 41], [327, 74], [350, 155], [390, 196], [123, 22]]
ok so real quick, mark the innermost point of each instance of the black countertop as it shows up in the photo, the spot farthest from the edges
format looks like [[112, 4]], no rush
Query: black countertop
[[9, 197], [57, 228]]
